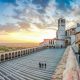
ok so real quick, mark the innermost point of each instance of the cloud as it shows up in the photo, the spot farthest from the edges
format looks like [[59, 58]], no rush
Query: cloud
[[64, 4], [24, 25], [43, 3], [31, 15], [37, 18], [9, 28], [43, 13]]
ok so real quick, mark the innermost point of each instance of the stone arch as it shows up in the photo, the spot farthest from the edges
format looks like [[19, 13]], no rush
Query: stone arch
[[15, 54], [6, 56], [33, 49], [12, 54], [18, 53], [30, 50], [21, 53], [9, 55], [2, 57], [36, 49], [26, 51]]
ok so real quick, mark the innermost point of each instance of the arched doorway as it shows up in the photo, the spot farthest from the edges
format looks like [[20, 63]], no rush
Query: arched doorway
[[66, 43]]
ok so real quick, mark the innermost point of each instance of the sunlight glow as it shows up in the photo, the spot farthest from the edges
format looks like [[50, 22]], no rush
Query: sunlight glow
[[24, 36]]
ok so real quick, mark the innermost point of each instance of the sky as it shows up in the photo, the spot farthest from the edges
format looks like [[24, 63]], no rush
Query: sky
[[34, 20]]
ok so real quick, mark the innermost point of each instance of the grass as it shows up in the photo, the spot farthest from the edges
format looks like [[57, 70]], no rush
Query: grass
[[16, 46], [6, 49]]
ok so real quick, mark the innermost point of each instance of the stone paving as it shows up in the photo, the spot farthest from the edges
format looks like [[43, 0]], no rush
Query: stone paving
[[27, 68]]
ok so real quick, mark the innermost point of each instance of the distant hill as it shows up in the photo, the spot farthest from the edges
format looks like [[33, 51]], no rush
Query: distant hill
[[5, 47], [20, 45]]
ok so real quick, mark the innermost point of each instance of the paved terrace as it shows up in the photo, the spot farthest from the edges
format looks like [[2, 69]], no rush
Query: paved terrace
[[27, 68]]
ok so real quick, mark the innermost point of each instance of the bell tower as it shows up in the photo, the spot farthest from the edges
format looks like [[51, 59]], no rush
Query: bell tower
[[61, 29], [61, 33]]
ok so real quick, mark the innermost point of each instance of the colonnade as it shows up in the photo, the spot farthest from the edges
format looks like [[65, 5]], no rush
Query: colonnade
[[19, 53]]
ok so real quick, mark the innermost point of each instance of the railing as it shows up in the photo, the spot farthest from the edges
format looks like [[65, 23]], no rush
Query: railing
[[71, 71], [19, 53]]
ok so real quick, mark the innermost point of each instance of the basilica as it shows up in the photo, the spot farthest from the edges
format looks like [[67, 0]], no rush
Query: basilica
[[64, 37], [59, 41]]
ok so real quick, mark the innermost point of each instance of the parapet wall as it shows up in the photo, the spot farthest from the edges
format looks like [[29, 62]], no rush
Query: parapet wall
[[68, 68], [58, 73], [71, 71]]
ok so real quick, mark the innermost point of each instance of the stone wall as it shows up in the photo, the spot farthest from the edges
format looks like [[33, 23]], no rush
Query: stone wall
[[71, 71], [58, 74], [68, 68]]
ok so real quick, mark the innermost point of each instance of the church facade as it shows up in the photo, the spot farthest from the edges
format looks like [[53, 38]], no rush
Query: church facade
[[59, 41], [60, 34]]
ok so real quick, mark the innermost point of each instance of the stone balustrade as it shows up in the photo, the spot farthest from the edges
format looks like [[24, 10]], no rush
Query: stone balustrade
[[19, 53]]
